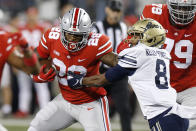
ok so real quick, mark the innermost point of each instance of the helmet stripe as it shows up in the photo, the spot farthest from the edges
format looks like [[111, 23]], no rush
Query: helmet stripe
[[76, 17]]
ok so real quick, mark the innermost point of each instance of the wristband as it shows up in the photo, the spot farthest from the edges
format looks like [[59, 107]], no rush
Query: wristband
[[30, 61]]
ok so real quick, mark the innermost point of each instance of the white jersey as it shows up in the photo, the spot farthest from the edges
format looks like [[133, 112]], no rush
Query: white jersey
[[151, 79]]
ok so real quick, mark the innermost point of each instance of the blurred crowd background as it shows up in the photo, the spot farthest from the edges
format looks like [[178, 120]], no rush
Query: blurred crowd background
[[49, 10], [36, 16]]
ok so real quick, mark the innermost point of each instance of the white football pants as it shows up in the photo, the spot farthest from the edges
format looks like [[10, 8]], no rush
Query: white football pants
[[6, 76], [60, 114], [25, 95], [188, 98]]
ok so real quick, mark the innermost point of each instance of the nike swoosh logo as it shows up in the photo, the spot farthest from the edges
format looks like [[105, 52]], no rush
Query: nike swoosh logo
[[76, 82], [187, 35], [90, 108], [80, 60]]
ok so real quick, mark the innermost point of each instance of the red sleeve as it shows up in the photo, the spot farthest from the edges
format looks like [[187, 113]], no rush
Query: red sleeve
[[123, 44], [44, 45], [104, 46], [153, 11], [7, 45]]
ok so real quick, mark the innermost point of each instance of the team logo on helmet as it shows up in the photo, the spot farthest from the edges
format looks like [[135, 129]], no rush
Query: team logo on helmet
[[150, 32], [72, 46]]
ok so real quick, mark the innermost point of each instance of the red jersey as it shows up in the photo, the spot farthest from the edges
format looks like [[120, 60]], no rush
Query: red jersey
[[85, 61], [181, 45], [123, 44], [33, 35], [6, 48]]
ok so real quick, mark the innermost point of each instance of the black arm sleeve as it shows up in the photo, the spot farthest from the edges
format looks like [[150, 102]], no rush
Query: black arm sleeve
[[117, 73]]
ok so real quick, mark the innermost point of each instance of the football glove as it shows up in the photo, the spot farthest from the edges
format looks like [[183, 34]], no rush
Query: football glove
[[74, 80], [44, 76]]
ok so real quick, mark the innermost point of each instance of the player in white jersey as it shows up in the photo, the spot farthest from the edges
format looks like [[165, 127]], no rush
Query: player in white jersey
[[147, 66], [150, 80]]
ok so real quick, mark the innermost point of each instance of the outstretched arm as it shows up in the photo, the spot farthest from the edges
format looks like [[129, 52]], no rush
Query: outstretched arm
[[77, 81], [116, 73], [26, 61], [21, 56], [96, 80], [113, 74]]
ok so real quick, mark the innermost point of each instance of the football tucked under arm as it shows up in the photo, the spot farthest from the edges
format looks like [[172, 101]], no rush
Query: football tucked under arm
[[47, 62], [45, 75], [47, 72]]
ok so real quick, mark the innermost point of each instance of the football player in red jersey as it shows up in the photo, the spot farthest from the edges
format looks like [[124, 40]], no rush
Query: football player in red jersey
[[73, 47], [126, 43], [32, 30], [14, 51], [178, 18]]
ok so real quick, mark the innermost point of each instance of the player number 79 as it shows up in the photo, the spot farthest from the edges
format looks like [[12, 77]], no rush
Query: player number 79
[[185, 56]]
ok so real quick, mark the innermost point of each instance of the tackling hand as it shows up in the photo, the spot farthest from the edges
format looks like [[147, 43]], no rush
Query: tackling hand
[[74, 80]]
